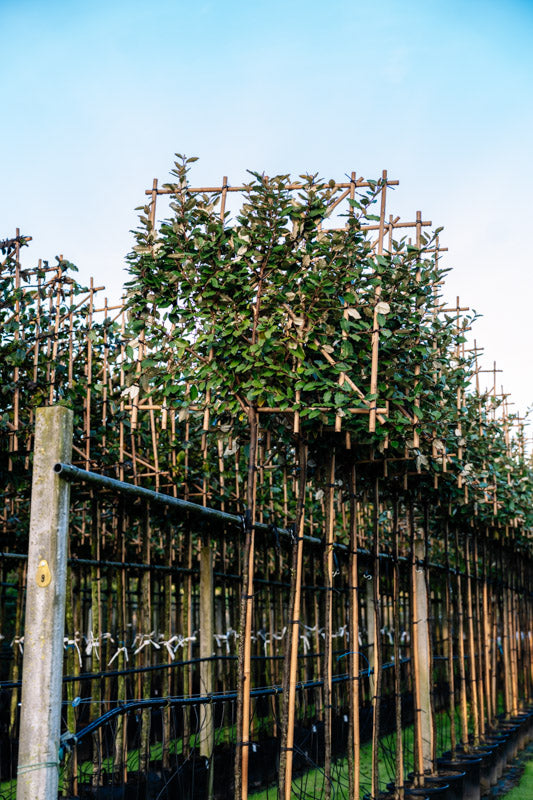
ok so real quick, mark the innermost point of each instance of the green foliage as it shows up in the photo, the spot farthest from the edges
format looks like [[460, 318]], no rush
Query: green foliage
[[275, 310]]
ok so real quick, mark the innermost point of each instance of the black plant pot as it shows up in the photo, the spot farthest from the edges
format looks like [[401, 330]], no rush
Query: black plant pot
[[501, 746], [86, 792], [471, 766], [523, 734], [144, 786], [488, 768], [454, 780], [511, 730], [434, 791]]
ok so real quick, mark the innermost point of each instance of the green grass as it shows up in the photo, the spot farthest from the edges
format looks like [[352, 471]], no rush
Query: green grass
[[524, 790], [8, 789], [312, 781]]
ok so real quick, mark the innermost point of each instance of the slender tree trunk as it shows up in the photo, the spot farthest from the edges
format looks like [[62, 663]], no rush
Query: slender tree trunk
[[328, 625], [245, 624], [376, 692], [290, 671], [354, 669], [398, 761]]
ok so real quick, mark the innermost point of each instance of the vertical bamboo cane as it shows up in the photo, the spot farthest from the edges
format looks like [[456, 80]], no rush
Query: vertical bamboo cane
[[207, 630], [450, 634], [512, 641], [486, 638], [398, 763], [461, 650], [471, 645], [70, 778], [478, 634], [291, 658], [353, 599], [245, 626], [375, 326], [415, 657], [120, 744], [505, 634], [16, 662], [146, 626], [328, 623], [168, 626], [376, 692], [96, 633]]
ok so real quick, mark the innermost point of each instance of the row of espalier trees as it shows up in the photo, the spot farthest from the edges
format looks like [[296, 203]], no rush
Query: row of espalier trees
[[246, 377], [274, 324]]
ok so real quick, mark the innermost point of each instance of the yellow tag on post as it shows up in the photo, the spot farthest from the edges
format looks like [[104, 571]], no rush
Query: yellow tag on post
[[43, 576]]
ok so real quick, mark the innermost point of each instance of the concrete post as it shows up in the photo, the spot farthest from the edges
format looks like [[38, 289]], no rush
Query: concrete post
[[207, 630], [40, 720], [424, 674]]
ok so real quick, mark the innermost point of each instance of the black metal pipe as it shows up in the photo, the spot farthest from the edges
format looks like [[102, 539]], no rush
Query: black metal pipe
[[159, 702], [362, 552], [70, 473]]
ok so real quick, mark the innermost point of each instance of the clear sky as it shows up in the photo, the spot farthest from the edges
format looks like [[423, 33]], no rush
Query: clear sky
[[96, 98]]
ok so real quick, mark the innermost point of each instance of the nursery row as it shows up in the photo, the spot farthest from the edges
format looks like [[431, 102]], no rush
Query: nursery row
[[283, 357]]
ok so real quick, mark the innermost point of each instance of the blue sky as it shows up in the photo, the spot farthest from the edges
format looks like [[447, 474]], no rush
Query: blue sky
[[96, 98]]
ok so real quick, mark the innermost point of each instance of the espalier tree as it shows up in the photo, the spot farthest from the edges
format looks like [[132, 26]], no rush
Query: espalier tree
[[300, 374], [44, 353], [273, 314], [342, 350], [275, 311]]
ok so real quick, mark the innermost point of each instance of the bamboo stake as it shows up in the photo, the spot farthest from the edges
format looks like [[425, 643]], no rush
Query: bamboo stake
[[450, 634], [146, 626], [415, 657], [512, 643], [18, 333], [95, 634], [376, 686], [291, 653], [168, 628], [70, 780], [353, 599], [120, 761], [461, 652], [55, 334], [70, 338], [399, 761], [478, 635], [524, 627], [89, 368], [245, 627], [486, 626], [292, 187], [472, 679], [496, 621], [17, 660], [207, 630], [375, 325], [505, 635], [328, 623]]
